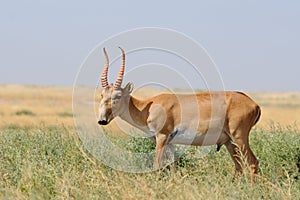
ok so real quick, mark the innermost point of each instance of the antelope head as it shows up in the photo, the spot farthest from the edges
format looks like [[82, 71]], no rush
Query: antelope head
[[114, 98]]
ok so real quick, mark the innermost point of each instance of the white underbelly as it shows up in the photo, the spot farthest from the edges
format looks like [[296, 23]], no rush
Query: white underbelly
[[184, 136]]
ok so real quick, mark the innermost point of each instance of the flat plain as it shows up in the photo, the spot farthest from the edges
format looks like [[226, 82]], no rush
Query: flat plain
[[34, 105], [42, 157]]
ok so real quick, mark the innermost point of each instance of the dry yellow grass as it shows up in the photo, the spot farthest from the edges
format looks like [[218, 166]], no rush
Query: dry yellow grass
[[278, 107], [35, 105]]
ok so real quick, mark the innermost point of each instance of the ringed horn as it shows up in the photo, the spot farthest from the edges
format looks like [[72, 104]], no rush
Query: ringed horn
[[121, 72], [105, 71]]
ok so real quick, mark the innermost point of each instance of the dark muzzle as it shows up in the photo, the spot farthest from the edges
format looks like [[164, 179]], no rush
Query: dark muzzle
[[102, 122]]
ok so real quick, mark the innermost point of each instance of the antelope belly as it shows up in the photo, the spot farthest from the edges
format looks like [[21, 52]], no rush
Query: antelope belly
[[184, 136]]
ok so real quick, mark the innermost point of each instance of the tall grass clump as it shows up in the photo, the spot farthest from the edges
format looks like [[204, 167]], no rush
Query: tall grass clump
[[25, 112], [51, 163], [65, 114]]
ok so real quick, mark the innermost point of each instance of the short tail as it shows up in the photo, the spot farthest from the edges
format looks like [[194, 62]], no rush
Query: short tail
[[258, 111]]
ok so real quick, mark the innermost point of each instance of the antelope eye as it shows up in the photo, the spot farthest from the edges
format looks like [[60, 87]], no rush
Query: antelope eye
[[117, 97]]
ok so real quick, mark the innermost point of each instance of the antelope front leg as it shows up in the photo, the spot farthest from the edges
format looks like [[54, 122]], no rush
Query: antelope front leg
[[161, 140]]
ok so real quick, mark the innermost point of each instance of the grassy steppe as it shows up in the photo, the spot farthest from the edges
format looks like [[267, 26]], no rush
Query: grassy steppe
[[41, 156], [51, 163]]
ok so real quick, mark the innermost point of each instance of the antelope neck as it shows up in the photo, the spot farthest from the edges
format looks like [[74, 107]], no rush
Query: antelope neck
[[136, 112]]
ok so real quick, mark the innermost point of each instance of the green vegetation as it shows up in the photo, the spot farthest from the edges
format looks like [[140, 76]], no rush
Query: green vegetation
[[65, 114], [51, 163], [25, 112]]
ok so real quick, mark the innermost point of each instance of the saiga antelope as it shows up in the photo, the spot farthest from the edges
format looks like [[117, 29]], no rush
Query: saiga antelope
[[172, 118]]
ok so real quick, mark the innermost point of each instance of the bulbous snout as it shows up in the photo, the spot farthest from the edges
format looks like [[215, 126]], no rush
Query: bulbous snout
[[102, 122], [105, 116]]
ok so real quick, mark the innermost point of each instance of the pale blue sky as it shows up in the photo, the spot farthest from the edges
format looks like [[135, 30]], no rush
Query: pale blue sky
[[255, 44]]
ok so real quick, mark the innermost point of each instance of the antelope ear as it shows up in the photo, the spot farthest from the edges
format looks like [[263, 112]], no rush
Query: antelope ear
[[128, 88]]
